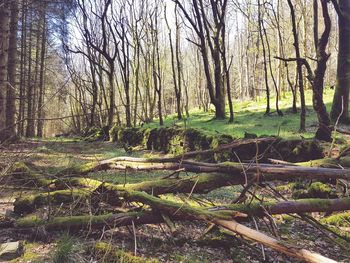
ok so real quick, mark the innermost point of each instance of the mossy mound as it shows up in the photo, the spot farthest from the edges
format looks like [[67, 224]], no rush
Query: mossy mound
[[94, 134], [341, 219], [314, 190], [175, 140], [29, 203], [23, 174], [166, 139], [108, 253]]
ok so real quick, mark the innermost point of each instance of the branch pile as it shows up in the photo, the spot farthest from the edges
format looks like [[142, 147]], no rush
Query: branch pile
[[143, 203]]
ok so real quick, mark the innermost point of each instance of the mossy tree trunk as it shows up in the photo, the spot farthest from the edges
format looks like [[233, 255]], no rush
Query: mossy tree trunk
[[340, 106]]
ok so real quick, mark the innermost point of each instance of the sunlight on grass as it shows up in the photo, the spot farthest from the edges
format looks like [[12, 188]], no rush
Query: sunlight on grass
[[250, 118]]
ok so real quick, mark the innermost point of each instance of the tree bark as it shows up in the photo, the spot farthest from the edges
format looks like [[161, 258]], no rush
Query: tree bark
[[40, 123], [12, 62], [340, 106], [4, 45], [324, 130], [299, 66]]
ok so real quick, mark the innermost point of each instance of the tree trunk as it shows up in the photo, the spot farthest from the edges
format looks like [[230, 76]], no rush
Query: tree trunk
[[267, 111], [299, 67], [22, 85], [40, 123], [12, 62], [324, 131], [4, 42], [30, 95], [340, 106]]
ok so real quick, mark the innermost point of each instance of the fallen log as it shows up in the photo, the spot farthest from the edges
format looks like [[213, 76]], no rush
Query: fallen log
[[266, 240], [268, 172], [111, 194], [117, 220], [174, 210], [29, 203], [108, 164], [26, 175]]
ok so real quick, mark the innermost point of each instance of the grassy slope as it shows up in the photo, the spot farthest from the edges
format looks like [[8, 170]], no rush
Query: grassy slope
[[249, 117]]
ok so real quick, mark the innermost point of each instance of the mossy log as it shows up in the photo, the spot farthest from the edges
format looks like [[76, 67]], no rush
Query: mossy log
[[149, 217], [28, 204], [266, 172], [25, 175], [343, 162], [84, 222], [223, 218], [116, 194]]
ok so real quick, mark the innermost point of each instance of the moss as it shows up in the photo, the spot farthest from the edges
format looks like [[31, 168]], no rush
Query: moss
[[96, 134], [130, 136], [30, 254], [341, 219], [21, 173], [219, 140], [113, 133], [314, 190], [176, 145], [320, 190], [29, 203], [146, 135], [170, 206], [106, 252], [64, 222]]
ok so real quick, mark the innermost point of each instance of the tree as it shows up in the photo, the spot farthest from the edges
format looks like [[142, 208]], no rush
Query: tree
[[324, 131], [340, 106], [4, 45], [299, 66], [175, 64], [207, 23], [12, 63]]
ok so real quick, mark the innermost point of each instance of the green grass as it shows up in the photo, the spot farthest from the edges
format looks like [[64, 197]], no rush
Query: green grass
[[250, 118]]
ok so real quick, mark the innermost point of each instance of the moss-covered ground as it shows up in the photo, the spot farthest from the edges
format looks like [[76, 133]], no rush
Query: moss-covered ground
[[250, 118]]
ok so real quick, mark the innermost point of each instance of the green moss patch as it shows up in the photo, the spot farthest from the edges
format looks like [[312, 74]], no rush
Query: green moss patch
[[341, 219], [105, 252]]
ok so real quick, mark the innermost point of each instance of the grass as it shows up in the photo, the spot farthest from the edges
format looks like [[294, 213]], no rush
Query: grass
[[66, 251], [250, 118]]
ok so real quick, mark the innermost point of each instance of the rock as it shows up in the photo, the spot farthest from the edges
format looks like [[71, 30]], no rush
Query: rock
[[10, 250]]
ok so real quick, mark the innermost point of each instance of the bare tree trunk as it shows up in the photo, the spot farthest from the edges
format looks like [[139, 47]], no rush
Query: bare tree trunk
[[12, 62], [324, 131], [265, 59], [29, 97], [299, 67], [340, 106], [22, 88], [4, 45], [40, 123]]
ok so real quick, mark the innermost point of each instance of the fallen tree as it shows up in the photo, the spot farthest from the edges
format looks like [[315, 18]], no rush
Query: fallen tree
[[164, 209], [267, 171], [144, 205], [112, 193]]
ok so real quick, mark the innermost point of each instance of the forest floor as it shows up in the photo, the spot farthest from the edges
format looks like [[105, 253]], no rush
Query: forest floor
[[250, 118], [188, 243]]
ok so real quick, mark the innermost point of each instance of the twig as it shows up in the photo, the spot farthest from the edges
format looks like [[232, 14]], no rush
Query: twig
[[135, 241]]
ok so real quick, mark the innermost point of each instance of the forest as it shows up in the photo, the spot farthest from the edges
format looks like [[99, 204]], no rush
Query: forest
[[142, 131]]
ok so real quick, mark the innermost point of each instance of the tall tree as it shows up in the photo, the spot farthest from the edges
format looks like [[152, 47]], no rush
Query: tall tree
[[12, 62], [4, 45], [340, 106], [206, 22], [299, 66]]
